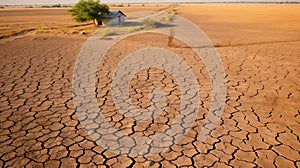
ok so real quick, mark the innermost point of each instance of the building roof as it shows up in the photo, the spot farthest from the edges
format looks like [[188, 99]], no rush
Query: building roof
[[113, 13]]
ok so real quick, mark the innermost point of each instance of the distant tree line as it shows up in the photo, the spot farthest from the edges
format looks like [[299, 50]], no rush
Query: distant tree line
[[49, 6], [262, 2]]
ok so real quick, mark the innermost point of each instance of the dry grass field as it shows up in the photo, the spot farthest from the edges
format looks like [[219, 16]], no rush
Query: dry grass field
[[258, 44], [20, 20]]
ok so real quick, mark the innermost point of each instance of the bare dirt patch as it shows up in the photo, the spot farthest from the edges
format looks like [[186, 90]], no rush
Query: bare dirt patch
[[259, 47], [232, 24]]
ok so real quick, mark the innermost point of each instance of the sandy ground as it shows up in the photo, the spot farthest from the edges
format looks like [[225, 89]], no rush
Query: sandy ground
[[232, 24], [259, 48]]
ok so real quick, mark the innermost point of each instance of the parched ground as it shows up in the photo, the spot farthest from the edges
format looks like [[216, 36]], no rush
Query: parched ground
[[259, 48]]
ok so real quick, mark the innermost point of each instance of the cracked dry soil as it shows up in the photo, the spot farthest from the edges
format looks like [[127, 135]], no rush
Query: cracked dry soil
[[39, 128]]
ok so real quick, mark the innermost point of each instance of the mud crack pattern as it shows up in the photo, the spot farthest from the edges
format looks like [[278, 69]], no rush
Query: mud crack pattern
[[38, 126]]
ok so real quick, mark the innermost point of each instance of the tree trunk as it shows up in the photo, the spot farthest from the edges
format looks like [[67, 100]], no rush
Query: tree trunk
[[95, 21], [100, 23]]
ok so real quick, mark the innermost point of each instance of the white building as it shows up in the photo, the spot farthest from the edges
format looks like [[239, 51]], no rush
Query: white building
[[114, 17]]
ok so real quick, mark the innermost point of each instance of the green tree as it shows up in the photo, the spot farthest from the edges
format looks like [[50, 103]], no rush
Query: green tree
[[86, 10]]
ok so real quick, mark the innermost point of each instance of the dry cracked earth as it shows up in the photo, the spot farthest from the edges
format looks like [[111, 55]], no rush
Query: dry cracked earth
[[39, 126]]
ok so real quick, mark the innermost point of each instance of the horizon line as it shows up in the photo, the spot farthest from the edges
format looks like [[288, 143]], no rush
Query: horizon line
[[166, 2]]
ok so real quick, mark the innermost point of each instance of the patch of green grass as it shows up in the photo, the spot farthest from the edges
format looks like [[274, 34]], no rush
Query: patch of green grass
[[134, 29], [107, 32]]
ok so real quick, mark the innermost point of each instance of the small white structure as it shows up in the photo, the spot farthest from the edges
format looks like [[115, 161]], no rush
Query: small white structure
[[114, 17]]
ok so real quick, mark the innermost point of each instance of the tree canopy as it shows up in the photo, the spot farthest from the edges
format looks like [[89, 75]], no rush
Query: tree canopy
[[86, 10]]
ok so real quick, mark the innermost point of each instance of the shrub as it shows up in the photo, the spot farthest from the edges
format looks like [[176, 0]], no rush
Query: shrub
[[175, 11], [149, 23], [56, 6], [169, 17]]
